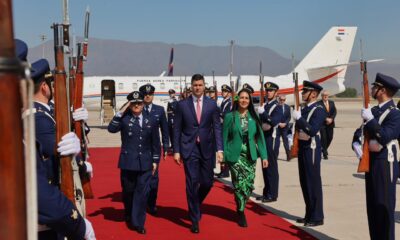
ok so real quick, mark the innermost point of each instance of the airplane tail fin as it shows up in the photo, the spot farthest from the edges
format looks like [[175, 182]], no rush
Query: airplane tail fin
[[171, 63], [329, 58]]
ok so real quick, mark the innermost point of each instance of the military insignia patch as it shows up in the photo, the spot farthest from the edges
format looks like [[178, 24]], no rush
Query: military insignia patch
[[74, 214], [135, 95], [148, 88]]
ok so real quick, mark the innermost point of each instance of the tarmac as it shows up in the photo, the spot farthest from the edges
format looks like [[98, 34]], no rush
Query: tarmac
[[343, 188]]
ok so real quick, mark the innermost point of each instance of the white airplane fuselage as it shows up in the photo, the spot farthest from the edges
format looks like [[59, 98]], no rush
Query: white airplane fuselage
[[325, 64]]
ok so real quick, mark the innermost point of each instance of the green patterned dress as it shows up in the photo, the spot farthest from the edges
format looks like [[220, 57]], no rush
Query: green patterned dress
[[243, 171]]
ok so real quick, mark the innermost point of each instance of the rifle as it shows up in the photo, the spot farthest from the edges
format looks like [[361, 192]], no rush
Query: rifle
[[86, 34], [261, 86], [62, 113], [13, 210], [295, 147], [363, 166], [79, 126], [215, 86]]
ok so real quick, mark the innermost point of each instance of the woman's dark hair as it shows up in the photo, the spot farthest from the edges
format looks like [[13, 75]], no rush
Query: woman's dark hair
[[251, 111]]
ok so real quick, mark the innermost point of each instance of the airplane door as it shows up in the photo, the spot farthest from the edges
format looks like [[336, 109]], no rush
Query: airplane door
[[108, 101]]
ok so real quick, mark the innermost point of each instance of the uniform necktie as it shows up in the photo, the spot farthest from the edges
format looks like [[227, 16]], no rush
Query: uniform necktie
[[136, 121], [146, 109]]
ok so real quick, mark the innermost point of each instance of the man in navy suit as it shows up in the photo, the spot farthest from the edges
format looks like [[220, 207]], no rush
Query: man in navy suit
[[382, 123], [171, 107], [157, 114], [139, 158], [283, 128], [308, 122], [197, 137], [329, 124]]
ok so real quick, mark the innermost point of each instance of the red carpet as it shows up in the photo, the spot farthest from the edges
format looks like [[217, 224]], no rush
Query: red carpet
[[219, 217]]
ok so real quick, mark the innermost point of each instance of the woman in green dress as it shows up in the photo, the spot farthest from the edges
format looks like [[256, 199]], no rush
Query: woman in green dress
[[243, 144]]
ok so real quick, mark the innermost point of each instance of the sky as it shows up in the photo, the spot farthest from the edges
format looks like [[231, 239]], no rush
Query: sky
[[284, 26]]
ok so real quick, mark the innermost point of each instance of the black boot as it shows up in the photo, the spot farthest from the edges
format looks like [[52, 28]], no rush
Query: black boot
[[242, 219]]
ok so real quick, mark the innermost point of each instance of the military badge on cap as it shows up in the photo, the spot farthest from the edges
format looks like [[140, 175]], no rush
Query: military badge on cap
[[385, 81], [40, 70], [248, 88], [270, 86], [135, 96], [226, 88], [74, 214], [147, 89], [311, 86]]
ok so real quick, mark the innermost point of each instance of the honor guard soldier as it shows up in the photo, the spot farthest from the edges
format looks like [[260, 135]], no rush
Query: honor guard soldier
[[171, 107], [308, 122], [224, 108], [212, 92], [157, 115], [57, 215], [188, 92], [139, 158], [382, 123], [271, 115]]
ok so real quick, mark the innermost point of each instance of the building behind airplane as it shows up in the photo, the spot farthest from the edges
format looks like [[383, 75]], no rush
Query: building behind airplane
[[325, 64]]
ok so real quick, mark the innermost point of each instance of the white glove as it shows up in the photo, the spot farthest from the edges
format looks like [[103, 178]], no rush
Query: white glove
[[89, 168], [69, 144], [80, 114], [261, 109], [89, 233], [296, 114], [357, 149], [290, 140], [366, 114]]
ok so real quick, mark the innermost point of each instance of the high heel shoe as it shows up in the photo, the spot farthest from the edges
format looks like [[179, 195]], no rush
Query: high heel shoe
[[242, 219]]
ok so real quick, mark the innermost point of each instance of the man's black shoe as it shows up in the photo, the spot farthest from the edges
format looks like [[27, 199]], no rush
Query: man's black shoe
[[313, 223], [195, 228], [153, 210], [264, 200], [301, 220], [223, 175], [325, 157], [141, 230], [260, 198]]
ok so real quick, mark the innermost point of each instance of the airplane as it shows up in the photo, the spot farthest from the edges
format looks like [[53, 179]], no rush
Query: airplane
[[326, 64]]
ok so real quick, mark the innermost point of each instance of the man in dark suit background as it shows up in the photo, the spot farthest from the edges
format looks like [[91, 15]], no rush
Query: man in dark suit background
[[329, 124], [283, 128], [197, 136]]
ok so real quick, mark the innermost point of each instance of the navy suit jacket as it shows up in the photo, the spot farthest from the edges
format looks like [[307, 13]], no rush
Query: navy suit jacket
[[331, 113], [187, 129]]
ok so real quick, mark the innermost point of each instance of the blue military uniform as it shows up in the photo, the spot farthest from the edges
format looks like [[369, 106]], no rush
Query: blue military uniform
[[171, 108], [283, 132], [270, 119], [309, 157], [158, 117], [380, 181], [55, 210], [140, 149]]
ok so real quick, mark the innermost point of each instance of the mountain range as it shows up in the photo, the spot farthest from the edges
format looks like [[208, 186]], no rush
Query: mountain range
[[123, 58]]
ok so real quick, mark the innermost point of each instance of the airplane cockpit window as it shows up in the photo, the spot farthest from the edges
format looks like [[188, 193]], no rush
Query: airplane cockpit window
[[120, 86], [162, 85]]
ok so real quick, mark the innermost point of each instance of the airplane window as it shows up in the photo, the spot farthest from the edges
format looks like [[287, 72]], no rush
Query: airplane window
[[91, 85], [134, 86], [120, 86], [162, 85]]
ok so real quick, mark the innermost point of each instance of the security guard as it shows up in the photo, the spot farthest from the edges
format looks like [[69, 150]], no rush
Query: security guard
[[271, 115], [224, 108], [308, 122], [382, 123], [139, 158], [157, 114], [171, 107]]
